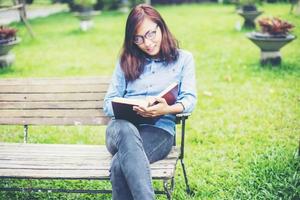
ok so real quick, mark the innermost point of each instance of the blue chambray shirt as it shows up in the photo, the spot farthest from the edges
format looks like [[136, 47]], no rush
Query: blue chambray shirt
[[154, 79]]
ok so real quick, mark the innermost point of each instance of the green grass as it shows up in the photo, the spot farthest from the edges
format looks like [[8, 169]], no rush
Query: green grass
[[243, 137]]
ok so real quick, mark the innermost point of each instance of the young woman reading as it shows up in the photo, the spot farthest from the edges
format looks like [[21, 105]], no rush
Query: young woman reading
[[150, 61]]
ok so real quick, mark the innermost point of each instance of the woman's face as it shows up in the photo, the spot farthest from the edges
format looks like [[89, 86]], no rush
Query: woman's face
[[148, 37]]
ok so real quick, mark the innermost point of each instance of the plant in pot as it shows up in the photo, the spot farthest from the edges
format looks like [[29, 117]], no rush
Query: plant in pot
[[85, 12], [248, 10], [8, 39], [273, 35]]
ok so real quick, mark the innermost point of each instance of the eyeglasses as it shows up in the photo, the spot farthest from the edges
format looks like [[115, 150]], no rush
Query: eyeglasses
[[150, 35]]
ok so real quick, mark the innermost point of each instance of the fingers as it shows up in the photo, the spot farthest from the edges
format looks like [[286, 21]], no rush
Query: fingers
[[160, 100], [141, 111], [151, 100], [145, 112], [154, 110]]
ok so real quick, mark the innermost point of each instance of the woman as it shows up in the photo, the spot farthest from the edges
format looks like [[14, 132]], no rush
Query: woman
[[150, 61]]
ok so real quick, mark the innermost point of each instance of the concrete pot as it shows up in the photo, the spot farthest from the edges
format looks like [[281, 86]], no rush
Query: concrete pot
[[86, 19], [6, 57], [270, 46], [249, 17], [6, 47]]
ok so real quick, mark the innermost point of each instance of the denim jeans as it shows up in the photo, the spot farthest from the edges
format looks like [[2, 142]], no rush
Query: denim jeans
[[133, 150]]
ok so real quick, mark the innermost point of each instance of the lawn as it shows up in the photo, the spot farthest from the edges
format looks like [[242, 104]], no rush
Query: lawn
[[243, 137]]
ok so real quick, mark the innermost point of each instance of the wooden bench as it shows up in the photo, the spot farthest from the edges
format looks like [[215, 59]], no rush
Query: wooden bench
[[65, 101]]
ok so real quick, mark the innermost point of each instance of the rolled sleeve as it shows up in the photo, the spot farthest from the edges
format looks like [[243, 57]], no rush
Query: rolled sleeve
[[187, 92]]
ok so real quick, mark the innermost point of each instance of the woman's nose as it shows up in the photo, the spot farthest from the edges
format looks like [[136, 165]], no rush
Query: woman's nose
[[147, 42]]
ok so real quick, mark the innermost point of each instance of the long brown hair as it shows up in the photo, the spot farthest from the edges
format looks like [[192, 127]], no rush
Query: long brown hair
[[132, 58]]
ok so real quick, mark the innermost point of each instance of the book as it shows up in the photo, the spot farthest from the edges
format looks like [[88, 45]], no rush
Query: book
[[123, 107]]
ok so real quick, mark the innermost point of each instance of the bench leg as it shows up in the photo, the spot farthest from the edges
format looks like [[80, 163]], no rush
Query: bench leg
[[169, 189], [188, 190], [25, 133]]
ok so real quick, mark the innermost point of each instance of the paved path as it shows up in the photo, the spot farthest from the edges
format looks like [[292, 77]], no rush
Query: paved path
[[10, 16]]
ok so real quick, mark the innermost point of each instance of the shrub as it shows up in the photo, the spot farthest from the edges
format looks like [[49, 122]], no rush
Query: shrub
[[275, 26], [7, 34]]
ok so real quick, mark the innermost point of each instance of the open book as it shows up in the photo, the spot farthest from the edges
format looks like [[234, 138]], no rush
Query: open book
[[123, 107]]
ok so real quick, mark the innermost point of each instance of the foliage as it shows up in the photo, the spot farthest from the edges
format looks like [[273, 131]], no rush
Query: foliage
[[248, 2], [275, 26], [241, 138], [85, 3], [115, 4], [7, 34]]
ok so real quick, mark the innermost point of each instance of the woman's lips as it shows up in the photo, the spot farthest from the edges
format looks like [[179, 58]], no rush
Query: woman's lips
[[150, 49]]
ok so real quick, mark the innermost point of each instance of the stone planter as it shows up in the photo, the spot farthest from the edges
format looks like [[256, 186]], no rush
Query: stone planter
[[124, 6], [86, 19], [6, 57], [270, 46], [249, 17]]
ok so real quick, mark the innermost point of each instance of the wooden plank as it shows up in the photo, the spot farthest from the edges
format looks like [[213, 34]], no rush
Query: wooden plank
[[70, 164], [68, 157], [55, 121], [77, 88], [51, 97], [73, 174], [63, 149], [52, 105], [41, 113], [82, 163], [55, 81], [14, 7], [60, 147], [39, 158], [67, 161]]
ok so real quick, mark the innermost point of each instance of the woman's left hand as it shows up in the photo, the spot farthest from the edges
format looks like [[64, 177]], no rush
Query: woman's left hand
[[158, 109]]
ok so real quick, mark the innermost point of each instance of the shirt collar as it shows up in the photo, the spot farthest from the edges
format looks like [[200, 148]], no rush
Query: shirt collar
[[149, 59]]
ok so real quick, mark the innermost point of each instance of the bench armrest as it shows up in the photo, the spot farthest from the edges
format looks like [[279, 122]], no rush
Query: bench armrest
[[181, 116]]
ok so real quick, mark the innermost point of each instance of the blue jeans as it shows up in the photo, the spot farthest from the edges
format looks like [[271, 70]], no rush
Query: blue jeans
[[133, 150]]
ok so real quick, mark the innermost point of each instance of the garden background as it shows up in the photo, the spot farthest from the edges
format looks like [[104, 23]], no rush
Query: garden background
[[243, 137]]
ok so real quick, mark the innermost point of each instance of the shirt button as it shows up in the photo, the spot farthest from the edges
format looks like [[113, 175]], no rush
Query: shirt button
[[153, 72]]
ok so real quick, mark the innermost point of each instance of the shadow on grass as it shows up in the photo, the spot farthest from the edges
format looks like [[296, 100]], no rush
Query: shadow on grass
[[76, 32], [7, 70], [286, 67]]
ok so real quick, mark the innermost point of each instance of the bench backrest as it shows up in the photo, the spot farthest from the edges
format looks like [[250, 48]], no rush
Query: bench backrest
[[53, 101]]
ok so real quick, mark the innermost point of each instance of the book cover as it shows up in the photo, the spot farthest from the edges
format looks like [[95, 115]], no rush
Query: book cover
[[123, 107]]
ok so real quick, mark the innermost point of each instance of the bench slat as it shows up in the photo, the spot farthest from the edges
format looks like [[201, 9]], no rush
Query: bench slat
[[51, 105], [41, 113], [52, 97], [55, 81], [55, 121], [67, 162], [74, 174], [75, 88]]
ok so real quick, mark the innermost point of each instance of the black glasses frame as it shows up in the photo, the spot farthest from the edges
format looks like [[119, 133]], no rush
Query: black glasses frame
[[150, 35]]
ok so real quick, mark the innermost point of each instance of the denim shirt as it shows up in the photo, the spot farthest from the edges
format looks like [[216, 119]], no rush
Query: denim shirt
[[154, 79]]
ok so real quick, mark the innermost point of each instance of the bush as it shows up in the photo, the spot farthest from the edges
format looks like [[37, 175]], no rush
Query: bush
[[102, 4], [29, 1], [115, 4]]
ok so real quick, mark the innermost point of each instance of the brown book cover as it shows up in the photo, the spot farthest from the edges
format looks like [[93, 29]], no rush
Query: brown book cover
[[123, 107]]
